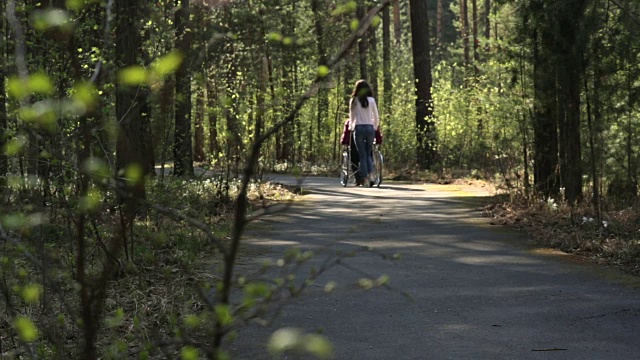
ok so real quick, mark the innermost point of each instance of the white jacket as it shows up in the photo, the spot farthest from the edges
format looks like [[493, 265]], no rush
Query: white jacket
[[363, 116]]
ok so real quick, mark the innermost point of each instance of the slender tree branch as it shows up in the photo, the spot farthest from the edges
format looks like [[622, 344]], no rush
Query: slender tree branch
[[631, 14], [20, 50], [241, 199]]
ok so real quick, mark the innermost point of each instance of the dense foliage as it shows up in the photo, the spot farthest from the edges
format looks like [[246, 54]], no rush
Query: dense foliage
[[107, 106]]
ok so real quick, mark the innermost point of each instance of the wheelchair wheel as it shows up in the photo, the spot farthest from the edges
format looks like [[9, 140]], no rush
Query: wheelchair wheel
[[378, 163], [344, 171]]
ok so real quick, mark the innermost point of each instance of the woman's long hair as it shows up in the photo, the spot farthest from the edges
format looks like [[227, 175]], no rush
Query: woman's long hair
[[361, 91]]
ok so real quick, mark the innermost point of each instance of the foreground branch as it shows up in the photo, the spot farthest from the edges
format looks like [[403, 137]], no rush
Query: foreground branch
[[240, 212]]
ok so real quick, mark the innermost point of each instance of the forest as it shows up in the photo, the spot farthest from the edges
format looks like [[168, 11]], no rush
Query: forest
[[134, 136]]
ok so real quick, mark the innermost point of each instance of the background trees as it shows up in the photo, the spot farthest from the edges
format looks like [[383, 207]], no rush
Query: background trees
[[549, 96]]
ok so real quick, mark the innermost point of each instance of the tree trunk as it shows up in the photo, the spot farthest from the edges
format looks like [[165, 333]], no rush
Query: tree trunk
[[425, 126], [362, 43], [233, 139], [322, 112], [544, 124], [182, 151], [464, 32], [439, 15], [198, 128], [200, 41], [373, 57], [487, 23], [386, 62], [289, 134], [129, 143], [592, 152], [4, 163], [596, 127], [148, 146], [397, 27], [212, 113], [476, 41], [569, 52], [263, 79]]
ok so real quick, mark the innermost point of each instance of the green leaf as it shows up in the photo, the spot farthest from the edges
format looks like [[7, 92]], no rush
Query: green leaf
[[223, 314], [366, 284], [14, 146], [134, 75], [223, 355], [318, 346], [290, 339], [134, 173], [18, 89], [91, 201], [354, 24], [31, 293], [167, 64], [85, 94], [192, 321], [376, 21], [40, 83], [41, 113], [382, 280], [274, 36], [77, 4], [350, 6], [283, 340], [27, 331], [189, 353], [45, 19], [144, 355], [330, 286], [323, 71], [97, 168], [14, 221], [117, 319], [256, 289]]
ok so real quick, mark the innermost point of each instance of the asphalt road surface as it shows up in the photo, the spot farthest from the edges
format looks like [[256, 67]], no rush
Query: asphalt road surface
[[461, 288]]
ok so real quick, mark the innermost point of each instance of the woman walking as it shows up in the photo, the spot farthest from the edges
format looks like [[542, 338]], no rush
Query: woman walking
[[363, 122]]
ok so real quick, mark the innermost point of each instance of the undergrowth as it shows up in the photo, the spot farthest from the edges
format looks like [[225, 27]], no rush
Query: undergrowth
[[612, 241], [156, 283]]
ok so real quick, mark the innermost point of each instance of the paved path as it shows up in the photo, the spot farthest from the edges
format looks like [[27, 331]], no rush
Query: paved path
[[476, 292]]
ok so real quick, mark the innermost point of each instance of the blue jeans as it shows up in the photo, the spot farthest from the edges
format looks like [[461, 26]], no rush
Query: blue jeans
[[364, 135]]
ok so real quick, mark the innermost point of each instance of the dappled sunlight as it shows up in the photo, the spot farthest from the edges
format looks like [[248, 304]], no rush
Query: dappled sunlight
[[495, 260], [477, 246], [385, 244], [275, 243], [549, 251], [460, 279], [454, 327], [309, 217]]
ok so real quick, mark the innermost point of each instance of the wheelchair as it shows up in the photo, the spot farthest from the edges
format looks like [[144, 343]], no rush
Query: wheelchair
[[349, 169]]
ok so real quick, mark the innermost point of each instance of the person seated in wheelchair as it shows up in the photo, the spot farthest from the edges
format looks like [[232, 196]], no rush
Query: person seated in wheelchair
[[347, 139]]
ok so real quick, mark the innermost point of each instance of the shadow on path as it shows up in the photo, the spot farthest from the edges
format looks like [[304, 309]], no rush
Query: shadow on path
[[458, 290]]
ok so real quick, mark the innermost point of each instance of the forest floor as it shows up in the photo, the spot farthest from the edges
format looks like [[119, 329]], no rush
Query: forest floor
[[613, 241]]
